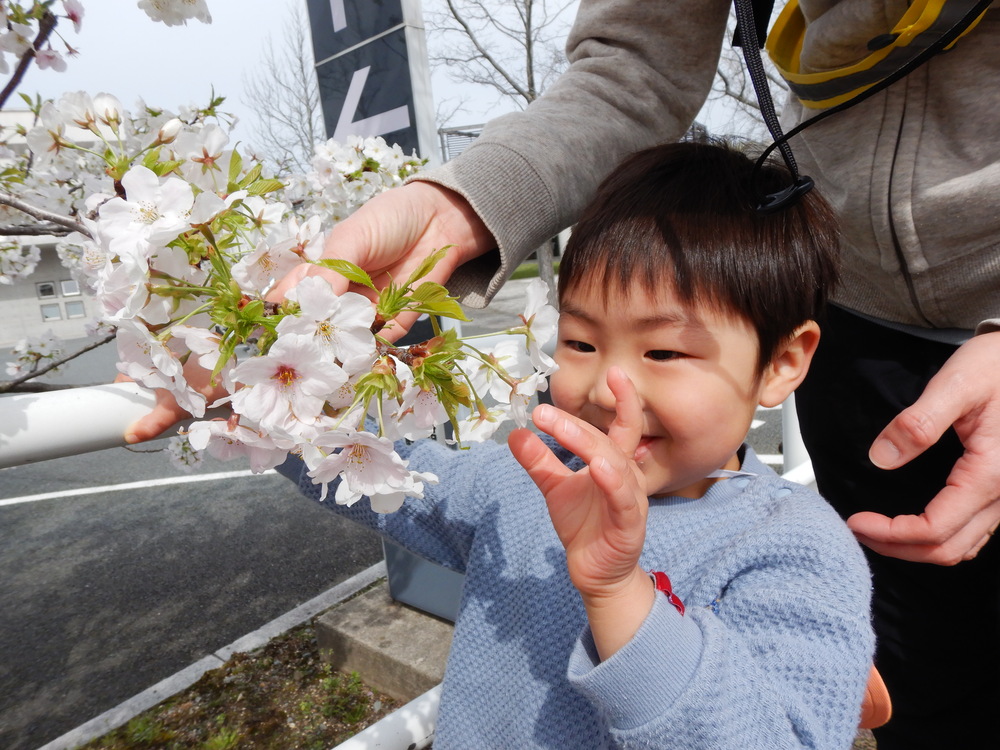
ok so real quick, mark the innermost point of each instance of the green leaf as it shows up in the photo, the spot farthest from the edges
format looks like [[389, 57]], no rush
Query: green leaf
[[427, 265], [433, 298], [391, 302], [348, 270], [261, 187], [252, 175], [429, 291], [235, 167], [226, 352], [448, 308]]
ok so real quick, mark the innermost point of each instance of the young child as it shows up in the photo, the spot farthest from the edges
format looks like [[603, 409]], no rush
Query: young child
[[681, 311]]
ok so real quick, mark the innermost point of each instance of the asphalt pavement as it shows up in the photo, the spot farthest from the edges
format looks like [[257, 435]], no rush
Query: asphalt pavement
[[105, 593]]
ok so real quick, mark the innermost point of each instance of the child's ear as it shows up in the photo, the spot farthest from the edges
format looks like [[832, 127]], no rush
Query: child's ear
[[789, 365]]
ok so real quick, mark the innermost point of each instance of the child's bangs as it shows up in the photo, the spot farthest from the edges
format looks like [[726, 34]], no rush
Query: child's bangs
[[620, 257]]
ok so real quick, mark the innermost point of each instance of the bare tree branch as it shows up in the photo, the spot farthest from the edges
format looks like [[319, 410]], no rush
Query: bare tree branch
[[284, 94], [484, 53], [6, 199], [11, 385], [34, 230], [515, 48], [46, 26], [733, 86]]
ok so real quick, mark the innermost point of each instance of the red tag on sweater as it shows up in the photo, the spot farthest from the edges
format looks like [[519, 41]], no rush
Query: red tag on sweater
[[662, 583]]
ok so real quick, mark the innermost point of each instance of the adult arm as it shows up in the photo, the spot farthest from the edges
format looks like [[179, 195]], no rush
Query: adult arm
[[961, 518], [639, 72]]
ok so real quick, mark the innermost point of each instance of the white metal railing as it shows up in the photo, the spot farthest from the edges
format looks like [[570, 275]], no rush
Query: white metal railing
[[408, 728], [53, 424]]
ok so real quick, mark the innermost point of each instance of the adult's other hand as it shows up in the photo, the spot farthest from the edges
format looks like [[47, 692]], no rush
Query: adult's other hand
[[961, 518]]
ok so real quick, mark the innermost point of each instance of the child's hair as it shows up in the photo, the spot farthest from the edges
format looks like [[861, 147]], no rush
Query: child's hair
[[682, 214]]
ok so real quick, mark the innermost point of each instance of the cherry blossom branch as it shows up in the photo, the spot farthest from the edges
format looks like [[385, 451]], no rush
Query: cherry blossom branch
[[46, 26], [34, 230], [6, 199], [12, 384]]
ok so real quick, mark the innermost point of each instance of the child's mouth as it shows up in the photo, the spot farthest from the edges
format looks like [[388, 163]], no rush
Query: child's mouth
[[642, 449]]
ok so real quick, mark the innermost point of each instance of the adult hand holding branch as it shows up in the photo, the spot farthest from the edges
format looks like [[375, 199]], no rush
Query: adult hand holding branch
[[392, 234]]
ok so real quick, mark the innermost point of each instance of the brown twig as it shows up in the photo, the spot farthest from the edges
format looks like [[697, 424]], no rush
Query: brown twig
[[10, 385], [41, 214], [34, 230], [45, 28]]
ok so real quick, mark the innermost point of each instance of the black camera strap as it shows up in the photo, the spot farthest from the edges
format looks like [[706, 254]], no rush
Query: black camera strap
[[752, 17]]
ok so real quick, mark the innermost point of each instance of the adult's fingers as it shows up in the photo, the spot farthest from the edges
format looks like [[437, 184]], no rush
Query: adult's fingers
[[165, 415], [953, 527], [964, 393]]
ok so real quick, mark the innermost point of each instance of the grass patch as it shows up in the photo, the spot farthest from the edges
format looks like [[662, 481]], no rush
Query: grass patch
[[529, 269], [279, 696]]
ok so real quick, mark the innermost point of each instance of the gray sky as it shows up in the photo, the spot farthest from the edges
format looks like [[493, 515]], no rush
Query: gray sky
[[126, 54]]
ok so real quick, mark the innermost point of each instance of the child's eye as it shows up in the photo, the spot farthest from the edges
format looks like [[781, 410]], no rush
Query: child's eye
[[578, 346], [662, 355]]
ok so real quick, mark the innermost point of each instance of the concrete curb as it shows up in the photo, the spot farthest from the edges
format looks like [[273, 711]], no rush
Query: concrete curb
[[129, 709]]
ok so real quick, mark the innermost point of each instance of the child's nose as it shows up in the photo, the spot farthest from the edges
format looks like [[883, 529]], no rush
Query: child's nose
[[600, 394]]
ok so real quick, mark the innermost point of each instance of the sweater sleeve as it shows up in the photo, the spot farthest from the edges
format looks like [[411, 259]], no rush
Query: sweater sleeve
[[639, 73], [440, 527], [780, 660]]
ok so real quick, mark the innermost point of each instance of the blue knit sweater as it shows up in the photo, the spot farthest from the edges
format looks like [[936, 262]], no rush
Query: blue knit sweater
[[773, 651]]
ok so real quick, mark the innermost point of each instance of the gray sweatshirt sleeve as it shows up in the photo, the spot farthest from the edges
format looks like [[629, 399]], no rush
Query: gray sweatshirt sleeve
[[639, 72]]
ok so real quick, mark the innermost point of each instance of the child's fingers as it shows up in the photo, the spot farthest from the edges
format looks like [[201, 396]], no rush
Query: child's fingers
[[589, 443], [626, 430], [536, 459], [621, 488]]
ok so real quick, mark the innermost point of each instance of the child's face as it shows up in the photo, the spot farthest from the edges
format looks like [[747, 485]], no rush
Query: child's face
[[694, 370]]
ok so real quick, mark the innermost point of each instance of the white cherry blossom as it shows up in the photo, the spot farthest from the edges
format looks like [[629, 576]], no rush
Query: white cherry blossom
[[368, 466], [152, 214], [286, 386], [226, 441], [176, 12], [541, 320], [258, 271], [340, 324], [183, 455]]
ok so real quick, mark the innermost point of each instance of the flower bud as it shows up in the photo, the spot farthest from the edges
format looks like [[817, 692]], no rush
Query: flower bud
[[169, 131]]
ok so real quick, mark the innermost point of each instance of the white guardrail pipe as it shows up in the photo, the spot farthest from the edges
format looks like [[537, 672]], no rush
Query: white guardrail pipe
[[40, 426], [408, 728]]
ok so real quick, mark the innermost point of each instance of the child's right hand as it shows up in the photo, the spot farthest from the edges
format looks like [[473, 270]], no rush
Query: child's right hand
[[598, 512], [167, 412]]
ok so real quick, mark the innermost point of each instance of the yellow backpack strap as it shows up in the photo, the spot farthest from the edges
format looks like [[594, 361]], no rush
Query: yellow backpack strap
[[922, 27]]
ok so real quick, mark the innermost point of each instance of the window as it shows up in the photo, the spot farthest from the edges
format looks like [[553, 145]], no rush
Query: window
[[74, 309], [45, 289], [69, 288], [51, 312]]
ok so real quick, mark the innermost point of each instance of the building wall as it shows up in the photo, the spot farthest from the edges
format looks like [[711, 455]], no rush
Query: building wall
[[47, 300], [22, 310]]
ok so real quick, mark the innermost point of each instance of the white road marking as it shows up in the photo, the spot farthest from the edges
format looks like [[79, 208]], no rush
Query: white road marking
[[144, 484]]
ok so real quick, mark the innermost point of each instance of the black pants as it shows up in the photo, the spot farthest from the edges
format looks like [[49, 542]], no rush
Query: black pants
[[938, 627]]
